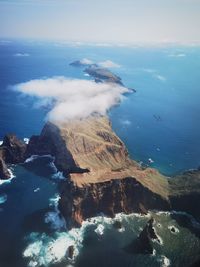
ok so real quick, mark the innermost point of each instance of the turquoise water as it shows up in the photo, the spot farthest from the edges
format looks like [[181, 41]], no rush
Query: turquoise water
[[160, 121]]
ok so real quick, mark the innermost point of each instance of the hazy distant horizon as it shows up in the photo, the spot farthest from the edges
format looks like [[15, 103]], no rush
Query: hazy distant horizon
[[113, 21]]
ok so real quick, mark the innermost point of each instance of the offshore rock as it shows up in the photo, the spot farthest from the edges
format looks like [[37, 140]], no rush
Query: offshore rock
[[13, 150], [143, 244]]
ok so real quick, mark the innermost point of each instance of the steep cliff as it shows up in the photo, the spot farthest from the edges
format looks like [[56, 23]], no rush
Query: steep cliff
[[101, 176], [12, 151], [4, 173]]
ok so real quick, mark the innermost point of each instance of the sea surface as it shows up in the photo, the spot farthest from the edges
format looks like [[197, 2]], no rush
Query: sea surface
[[159, 125]]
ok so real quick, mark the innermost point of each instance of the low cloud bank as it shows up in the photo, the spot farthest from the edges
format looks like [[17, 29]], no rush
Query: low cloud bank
[[73, 98], [108, 64]]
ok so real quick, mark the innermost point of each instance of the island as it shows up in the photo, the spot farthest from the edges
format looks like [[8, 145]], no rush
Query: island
[[99, 73], [100, 176]]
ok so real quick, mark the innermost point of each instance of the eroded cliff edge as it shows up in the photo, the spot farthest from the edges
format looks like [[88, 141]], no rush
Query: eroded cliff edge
[[101, 178]]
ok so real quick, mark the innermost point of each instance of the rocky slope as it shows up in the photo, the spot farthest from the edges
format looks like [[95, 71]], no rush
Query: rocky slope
[[101, 176]]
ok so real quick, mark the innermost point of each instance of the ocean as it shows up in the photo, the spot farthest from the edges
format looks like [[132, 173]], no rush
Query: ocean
[[159, 125]]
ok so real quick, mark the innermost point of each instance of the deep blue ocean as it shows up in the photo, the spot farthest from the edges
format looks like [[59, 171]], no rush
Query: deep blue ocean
[[161, 122]]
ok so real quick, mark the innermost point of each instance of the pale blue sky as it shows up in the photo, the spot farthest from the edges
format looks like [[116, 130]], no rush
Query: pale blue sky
[[124, 21]]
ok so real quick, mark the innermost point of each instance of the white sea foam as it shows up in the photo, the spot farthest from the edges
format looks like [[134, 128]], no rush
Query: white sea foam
[[100, 229], [176, 230], [3, 198], [34, 157], [50, 250], [159, 239], [36, 190], [45, 250], [159, 225], [53, 202], [1, 142], [31, 158], [164, 261], [55, 219], [26, 140], [8, 180], [150, 160], [57, 174]]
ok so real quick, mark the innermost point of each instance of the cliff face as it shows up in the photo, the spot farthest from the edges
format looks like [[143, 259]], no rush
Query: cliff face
[[12, 151], [101, 176], [119, 195]]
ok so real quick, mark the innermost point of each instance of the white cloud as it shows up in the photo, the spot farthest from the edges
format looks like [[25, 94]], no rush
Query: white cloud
[[86, 61], [108, 64], [21, 55], [73, 98]]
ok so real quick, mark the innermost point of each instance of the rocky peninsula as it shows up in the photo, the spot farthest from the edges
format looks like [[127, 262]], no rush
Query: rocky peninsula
[[100, 176]]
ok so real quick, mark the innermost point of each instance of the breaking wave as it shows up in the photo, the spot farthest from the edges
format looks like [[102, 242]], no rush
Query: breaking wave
[[7, 181], [46, 250]]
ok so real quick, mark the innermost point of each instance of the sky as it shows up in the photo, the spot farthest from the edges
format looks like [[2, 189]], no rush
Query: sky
[[112, 21]]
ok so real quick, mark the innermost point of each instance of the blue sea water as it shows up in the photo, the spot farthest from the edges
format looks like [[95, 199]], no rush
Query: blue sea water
[[167, 84], [159, 122]]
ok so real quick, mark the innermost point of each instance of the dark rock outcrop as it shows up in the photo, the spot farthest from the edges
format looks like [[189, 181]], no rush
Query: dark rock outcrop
[[143, 244], [185, 192], [4, 173], [51, 142], [70, 252], [13, 150], [103, 75]]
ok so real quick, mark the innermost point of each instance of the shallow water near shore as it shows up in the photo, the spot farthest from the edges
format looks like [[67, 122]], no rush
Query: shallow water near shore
[[159, 122]]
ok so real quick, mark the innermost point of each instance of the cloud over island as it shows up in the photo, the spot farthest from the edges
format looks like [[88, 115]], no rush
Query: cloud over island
[[73, 98]]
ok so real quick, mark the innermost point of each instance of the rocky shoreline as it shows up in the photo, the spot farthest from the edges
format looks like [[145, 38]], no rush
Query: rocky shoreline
[[100, 176]]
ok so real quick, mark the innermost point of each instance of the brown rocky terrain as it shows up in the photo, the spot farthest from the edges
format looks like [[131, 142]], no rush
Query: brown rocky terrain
[[100, 176]]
